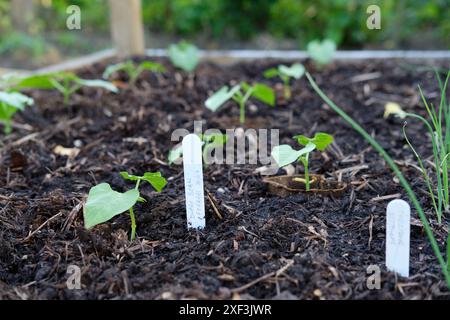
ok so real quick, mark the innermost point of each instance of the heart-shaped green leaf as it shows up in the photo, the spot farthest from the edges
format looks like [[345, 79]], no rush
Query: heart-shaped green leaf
[[184, 55], [296, 71], [155, 179], [104, 203], [264, 93], [284, 154], [321, 52]]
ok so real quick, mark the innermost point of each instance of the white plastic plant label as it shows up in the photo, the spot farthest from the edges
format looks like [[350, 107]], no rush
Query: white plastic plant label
[[397, 237], [193, 181]]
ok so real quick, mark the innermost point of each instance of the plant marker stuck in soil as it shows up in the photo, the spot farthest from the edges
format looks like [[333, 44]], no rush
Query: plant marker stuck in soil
[[193, 181], [398, 217]]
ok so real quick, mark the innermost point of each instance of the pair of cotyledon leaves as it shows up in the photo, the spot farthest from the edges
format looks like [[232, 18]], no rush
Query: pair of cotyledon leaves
[[285, 154], [259, 91]]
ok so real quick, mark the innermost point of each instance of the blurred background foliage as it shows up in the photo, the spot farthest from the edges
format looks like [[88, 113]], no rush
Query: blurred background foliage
[[261, 24]]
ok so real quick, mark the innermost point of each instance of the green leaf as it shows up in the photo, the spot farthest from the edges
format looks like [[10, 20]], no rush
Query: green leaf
[[175, 154], [104, 203], [296, 71], [321, 52], [184, 55], [264, 93], [128, 176], [155, 179], [152, 66], [321, 140], [213, 140], [36, 82], [15, 99], [220, 97], [270, 73], [115, 68], [285, 155], [98, 84]]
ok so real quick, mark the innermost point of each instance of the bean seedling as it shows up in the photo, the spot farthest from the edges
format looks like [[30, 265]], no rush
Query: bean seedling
[[104, 203], [295, 71], [66, 83], [133, 71], [321, 52], [241, 93], [285, 155], [10, 103], [210, 142], [184, 55]]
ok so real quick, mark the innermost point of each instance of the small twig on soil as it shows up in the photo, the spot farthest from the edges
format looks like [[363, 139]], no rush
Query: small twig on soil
[[370, 230], [71, 217], [242, 228], [41, 226], [388, 197], [354, 170], [212, 200], [365, 77], [264, 277]]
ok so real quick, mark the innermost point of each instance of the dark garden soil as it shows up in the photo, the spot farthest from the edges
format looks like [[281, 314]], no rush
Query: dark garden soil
[[303, 246]]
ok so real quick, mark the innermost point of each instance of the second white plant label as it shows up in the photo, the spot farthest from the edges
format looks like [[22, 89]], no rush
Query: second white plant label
[[193, 181], [398, 222]]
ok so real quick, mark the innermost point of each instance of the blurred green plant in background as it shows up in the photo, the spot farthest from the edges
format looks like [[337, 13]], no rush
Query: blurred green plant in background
[[222, 21]]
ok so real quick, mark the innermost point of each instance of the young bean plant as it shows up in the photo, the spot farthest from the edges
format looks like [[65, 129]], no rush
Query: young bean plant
[[285, 155], [321, 52], [241, 93], [66, 83], [210, 142], [184, 55], [10, 103], [295, 71], [104, 203], [132, 70]]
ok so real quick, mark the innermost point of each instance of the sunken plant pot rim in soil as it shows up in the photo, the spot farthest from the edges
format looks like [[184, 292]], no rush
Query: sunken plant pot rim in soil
[[286, 185]]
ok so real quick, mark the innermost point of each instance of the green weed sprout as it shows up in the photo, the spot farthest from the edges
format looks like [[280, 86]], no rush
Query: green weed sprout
[[104, 203], [210, 141], [241, 93], [184, 55], [445, 266], [10, 103], [285, 155], [295, 71], [321, 52], [66, 83], [133, 71]]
